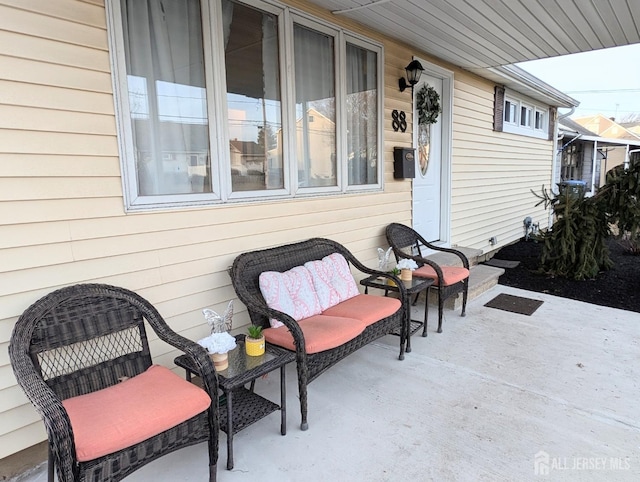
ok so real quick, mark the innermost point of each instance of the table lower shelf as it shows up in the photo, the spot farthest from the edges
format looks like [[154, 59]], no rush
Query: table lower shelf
[[415, 326], [248, 408]]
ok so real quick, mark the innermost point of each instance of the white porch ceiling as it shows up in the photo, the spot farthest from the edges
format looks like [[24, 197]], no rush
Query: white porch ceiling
[[479, 34]]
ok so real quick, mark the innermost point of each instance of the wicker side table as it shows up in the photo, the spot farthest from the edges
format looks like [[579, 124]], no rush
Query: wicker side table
[[414, 287], [244, 406]]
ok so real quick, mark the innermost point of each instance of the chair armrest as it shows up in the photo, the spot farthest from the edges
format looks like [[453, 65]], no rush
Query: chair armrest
[[197, 353], [421, 262], [459, 254]]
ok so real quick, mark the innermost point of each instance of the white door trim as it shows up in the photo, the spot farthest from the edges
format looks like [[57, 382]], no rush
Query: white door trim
[[446, 103]]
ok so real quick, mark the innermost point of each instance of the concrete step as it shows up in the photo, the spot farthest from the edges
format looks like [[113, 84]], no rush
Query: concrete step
[[481, 278], [448, 259]]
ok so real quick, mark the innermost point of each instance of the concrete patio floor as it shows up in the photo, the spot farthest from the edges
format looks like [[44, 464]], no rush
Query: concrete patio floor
[[497, 397]]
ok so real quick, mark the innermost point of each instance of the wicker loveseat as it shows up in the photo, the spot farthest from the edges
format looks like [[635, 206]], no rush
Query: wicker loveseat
[[245, 275]]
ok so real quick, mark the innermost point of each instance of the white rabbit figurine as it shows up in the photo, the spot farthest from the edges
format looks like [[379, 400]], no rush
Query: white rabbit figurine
[[383, 258], [219, 323]]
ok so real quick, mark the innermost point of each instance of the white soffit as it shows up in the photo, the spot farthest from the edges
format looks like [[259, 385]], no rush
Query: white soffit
[[482, 34]]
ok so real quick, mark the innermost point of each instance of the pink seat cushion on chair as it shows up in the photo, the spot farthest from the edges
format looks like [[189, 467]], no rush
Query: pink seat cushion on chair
[[366, 308], [452, 274], [134, 410], [321, 333]]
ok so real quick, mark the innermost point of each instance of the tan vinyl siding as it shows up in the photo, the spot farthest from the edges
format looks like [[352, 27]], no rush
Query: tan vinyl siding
[[493, 173]]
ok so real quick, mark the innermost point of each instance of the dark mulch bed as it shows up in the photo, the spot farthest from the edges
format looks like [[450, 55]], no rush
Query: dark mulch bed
[[618, 288]]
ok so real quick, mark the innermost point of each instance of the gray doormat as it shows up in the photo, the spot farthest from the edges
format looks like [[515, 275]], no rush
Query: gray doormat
[[501, 263], [514, 304]]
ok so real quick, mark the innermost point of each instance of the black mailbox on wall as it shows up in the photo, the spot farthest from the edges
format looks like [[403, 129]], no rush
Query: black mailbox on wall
[[404, 163]]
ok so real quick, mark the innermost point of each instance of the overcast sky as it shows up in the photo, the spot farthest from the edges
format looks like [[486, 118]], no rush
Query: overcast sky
[[604, 81]]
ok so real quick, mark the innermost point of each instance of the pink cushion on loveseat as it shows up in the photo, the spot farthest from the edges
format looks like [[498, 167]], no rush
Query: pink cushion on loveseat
[[452, 274], [321, 333], [366, 308], [134, 410]]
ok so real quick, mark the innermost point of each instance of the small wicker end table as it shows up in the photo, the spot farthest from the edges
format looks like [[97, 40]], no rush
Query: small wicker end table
[[413, 287], [244, 406]]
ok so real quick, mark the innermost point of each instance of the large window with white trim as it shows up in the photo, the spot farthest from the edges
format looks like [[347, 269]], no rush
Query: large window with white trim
[[228, 100]]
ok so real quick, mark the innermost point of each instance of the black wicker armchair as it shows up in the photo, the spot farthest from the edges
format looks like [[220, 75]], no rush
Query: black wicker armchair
[[87, 340], [449, 280], [245, 274]]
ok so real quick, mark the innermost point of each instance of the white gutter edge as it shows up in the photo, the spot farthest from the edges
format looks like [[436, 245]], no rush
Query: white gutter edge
[[605, 140], [524, 78], [567, 114]]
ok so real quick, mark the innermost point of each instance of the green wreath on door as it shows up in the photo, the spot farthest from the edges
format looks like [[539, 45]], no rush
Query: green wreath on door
[[428, 107]]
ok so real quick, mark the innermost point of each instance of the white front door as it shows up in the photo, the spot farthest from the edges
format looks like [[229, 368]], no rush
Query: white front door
[[432, 153]]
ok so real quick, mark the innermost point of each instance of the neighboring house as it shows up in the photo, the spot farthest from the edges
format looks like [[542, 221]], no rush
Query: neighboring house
[[118, 160], [633, 127], [612, 141], [606, 127], [577, 157], [247, 156], [247, 162], [315, 151]]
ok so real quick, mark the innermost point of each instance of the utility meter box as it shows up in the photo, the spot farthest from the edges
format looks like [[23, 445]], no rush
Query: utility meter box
[[404, 163], [573, 188]]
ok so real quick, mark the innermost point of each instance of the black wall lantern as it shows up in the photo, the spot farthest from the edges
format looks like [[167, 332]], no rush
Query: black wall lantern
[[414, 71]]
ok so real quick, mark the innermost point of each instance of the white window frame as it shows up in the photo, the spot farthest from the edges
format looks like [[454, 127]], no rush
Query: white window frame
[[330, 31], [526, 115], [515, 126], [508, 103], [287, 157], [215, 82], [364, 43]]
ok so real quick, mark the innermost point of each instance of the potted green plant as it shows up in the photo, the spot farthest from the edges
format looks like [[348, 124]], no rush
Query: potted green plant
[[395, 272], [254, 341]]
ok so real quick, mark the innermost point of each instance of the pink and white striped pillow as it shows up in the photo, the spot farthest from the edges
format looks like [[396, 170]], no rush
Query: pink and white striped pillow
[[332, 280], [291, 292]]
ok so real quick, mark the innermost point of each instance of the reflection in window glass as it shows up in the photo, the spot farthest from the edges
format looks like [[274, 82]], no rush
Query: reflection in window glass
[[181, 103], [510, 112], [525, 116], [167, 97], [362, 115], [315, 108], [539, 122], [253, 98]]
